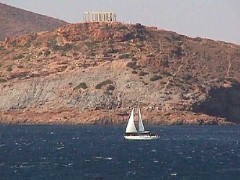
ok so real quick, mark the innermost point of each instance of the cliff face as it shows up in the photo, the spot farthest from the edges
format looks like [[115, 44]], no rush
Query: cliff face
[[96, 72], [16, 22], [222, 102]]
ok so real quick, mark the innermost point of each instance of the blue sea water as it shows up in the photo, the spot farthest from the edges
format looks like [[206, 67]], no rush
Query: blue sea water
[[101, 152]]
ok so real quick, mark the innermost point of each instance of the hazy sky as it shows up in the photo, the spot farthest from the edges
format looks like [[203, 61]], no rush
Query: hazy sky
[[214, 19]]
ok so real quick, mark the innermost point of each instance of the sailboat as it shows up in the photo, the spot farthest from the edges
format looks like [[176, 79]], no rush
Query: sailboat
[[133, 134]]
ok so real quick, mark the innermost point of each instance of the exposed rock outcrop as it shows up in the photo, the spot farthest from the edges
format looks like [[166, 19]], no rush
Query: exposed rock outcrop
[[223, 102]]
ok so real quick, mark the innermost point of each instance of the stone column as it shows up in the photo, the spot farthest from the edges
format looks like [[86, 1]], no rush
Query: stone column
[[97, 17], [114, 17], [104, 17], [86, 16], [100, 17], [111, 17], [107, 16]]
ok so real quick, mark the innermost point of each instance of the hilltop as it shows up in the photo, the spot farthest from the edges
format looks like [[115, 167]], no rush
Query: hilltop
[[95, 73], [15, 21]]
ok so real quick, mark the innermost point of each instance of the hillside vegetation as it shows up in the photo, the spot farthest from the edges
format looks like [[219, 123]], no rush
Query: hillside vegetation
[[96, 72]]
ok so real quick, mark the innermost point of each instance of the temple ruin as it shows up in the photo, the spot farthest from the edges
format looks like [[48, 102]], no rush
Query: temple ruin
[[100, 17]]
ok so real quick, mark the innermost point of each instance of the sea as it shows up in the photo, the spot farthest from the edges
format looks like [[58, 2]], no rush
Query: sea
[[101, 152]]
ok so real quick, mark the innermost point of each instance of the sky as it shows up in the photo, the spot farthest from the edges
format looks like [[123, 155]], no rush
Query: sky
[[213, 19]]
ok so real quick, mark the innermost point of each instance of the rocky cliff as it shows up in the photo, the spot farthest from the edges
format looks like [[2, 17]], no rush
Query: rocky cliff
[[95, 73]]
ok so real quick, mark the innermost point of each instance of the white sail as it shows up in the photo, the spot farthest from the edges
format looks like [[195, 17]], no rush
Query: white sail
[[140, 123], [131, 126]]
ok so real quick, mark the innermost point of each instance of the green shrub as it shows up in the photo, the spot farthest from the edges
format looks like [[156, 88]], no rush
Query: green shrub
[[107, 92], [187, 77], [63, 54], [20, 75], [91, 44], [124, 56], [53, 43], [155, 77], [47, 52], [134, 59], [145, 83], [120, 27], [100, 85], [165, 73], [150, 55], [75, 54], [20, 56], [61, 68], [178, 51], [134, 72], [198, 39], [91, 53], [139, 45], [141, 73], [66, 47], [2, 80], [110, 88], [9, 68], [82, 85], [132, 65], [28, 44], [14, 43]]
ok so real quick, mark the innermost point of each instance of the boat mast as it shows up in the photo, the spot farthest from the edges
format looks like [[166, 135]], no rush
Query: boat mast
[[140, 122]]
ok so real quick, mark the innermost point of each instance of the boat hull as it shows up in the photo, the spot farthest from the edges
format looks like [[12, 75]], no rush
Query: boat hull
[[141, 137]]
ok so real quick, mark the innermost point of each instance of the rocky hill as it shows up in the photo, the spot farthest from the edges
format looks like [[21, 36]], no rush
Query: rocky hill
[[96, 72], [16, 22]]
